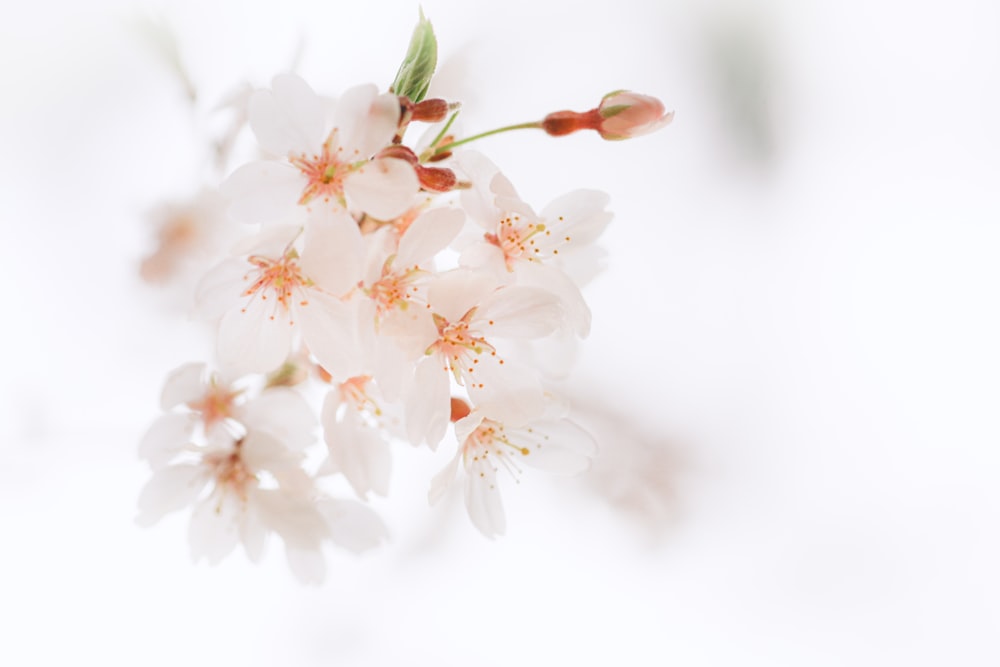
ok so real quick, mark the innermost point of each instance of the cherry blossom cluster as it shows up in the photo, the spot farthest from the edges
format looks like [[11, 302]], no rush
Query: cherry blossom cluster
[[385, 290]]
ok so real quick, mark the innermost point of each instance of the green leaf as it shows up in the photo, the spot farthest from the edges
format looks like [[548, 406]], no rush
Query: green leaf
[[414, 75]]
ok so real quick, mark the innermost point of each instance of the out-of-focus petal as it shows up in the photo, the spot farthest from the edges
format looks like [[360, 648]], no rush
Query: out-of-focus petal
[[168, 490], [288, 118], [183, 385], [428, 405], [167, 437]]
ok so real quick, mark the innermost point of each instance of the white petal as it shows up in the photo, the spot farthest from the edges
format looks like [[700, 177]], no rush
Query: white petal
[[486, 257], [427, 236], [220, 288], [263, 451], [288, 118], [561, 447], [266, 192], [255, 340], [353, 526], [356, 450], [482, 499], [510, 392], [519, 312], [168, 490], [283, 413], [579, 214], [366, 122], [308, 565], [332, 254], [329, 329], [296, 519], [183, 385], [457, 291], [428, 408], [443, 480], [550, 278], [383, 188], [214, 528], [167, 437]]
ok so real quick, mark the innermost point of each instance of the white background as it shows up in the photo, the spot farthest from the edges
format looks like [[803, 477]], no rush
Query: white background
[[793, 371]]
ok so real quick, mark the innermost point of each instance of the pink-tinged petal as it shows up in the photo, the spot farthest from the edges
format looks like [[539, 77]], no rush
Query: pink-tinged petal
[[519, 312], [265, 192], [330, 331], [455, 292], [482, 498], [560, 447], [486, 257], [170, 489], [356, 450], [283, 413], [428, 235], [183, 385], [443, 480], [353, 526], [220, 288], [579, 214], [509, 392], [214, 528], [256, 339], [366, 122], [383, 188], [467, 425], [478, 201], [411, 331], [270, 241], [428, 408], [288, 118], [167, 437], [332, 253], [550, 278]]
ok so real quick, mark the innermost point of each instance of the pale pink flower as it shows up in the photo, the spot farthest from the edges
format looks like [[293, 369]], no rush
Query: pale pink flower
[[486, 445], [318, 163], [523, 247], [468, 314], [357, 423], [275, 293]]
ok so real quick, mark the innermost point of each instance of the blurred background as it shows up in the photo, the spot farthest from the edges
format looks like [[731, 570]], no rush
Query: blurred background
[[793, 371]]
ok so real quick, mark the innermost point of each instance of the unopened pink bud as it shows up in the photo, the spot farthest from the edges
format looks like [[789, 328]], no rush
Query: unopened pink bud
[[626, 114]]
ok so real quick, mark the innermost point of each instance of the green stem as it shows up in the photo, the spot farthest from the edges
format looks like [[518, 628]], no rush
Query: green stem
[[519, 126]]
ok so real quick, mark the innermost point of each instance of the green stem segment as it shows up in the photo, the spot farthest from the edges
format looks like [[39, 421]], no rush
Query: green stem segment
[[520, 126]]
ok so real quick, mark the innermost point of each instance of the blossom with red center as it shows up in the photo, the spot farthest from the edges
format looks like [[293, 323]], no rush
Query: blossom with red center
[[313, 163]]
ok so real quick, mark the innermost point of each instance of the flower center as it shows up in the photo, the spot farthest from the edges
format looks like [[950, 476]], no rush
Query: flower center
[[490, 441], [215, 406], [231, 472], [278, 278], [459, 346], [394, 290], [517, 240], [324, 172]]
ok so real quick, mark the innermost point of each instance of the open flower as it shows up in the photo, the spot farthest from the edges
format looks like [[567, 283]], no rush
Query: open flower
[[316, 163], [275, 292], [468, 313], [486, 445]]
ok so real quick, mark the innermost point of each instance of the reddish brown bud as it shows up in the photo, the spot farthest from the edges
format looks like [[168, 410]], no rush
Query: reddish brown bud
[[436, 179], [430, 111], [560, 123], [459, 409]]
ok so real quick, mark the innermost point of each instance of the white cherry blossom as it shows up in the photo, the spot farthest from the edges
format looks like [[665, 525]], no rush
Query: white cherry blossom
[[314, 162], [486, 445], [274, 293]]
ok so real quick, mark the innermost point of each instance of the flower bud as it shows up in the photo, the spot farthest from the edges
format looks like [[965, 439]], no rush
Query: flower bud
[[625, 114]]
